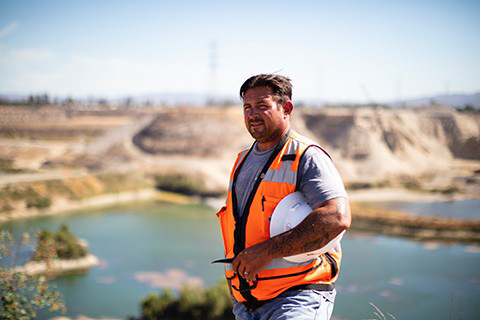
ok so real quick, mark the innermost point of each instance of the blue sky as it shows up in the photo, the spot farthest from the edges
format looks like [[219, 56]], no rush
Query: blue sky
[[332, 50]]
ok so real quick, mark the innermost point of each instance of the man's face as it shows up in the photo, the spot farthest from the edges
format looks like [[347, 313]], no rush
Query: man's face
[[264, 118]]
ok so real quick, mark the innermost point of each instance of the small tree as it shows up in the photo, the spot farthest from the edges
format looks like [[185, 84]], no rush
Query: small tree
[[63, 243], [21, 294], [192, 303]]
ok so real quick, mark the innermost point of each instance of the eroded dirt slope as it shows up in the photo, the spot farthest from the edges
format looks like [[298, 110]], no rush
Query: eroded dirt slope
[[367, 144], [438, 147]]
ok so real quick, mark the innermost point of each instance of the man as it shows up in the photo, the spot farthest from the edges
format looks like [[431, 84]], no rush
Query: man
[[263, 284]]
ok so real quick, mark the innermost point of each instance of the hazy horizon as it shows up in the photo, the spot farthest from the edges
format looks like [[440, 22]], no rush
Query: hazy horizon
[[333, 52]]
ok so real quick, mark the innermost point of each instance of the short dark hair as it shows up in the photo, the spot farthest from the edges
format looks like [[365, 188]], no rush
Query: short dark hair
[[281, 86]]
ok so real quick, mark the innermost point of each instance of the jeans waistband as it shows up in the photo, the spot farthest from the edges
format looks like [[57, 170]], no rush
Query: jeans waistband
[[254, 304]]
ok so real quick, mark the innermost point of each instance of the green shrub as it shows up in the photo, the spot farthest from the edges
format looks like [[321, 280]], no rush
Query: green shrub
[[31, 197], [450, 190], [155, 306], [412, 184], [183, 184], [113, 183], [7, 166], [22, 294], [359, 185], [192, 303], [219, 301], [38, 202], [64, 244]]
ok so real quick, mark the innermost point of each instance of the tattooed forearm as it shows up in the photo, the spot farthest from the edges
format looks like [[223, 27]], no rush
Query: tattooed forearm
[[320, 238], [278, 248], [305, 237], [319, 228]]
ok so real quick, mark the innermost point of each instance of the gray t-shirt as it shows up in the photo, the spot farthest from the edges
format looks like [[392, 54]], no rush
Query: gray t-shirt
[[319, 180]]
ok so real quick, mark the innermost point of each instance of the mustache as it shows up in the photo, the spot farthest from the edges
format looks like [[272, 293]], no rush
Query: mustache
[[250, 121]]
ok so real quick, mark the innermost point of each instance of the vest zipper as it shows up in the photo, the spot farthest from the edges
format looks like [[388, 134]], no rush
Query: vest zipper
[[241, 222]]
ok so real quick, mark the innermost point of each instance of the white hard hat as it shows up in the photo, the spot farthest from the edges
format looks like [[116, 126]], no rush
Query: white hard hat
[[288, 214]]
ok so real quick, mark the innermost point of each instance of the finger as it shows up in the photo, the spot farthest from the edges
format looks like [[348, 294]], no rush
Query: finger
[[252, 276], [235, 265], [242, 271], [247, 274], [240, 267]]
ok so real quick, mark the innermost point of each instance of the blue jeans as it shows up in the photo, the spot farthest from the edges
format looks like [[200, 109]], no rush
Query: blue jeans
[[292, 304]]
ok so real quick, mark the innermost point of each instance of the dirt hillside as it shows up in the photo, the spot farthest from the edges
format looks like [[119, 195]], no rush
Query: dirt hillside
[[430, 148], [367, 144], [376, 144]]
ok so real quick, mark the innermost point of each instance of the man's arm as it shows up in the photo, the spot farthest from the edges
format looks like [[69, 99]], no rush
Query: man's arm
[[321, 226]]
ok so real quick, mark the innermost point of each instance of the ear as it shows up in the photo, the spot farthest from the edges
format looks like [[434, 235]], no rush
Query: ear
[[288, 107]]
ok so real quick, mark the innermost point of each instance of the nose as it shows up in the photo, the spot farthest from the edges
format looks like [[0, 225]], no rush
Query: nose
[[252, 112]]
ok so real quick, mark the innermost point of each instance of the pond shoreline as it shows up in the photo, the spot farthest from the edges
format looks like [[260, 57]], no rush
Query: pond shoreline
[[365, 216], [420, 228], [59, 267], [396, 194], [61, 205]]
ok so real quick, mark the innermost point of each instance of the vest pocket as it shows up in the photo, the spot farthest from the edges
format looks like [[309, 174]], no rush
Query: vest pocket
[[269, 204]]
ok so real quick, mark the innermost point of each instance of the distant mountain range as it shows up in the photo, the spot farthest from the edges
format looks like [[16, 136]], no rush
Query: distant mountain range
[[197, 99], [452, 100]]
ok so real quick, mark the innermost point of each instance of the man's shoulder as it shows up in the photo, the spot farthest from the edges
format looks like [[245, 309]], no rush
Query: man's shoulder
[[315, 152], [311, 147], [303, 139]]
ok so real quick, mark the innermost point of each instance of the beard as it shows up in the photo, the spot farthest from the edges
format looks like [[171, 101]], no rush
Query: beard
[[257, 129], [263, 132]]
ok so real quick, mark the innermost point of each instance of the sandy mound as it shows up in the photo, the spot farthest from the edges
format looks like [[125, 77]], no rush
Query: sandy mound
[[367, 144], [374, 144], [200, 132]]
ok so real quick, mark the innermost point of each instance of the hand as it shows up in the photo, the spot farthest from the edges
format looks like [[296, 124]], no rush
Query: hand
[[250, 261]]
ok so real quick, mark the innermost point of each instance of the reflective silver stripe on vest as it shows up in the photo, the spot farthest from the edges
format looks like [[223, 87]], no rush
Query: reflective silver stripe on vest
[[282, 263], [284, 174], [279, 263]]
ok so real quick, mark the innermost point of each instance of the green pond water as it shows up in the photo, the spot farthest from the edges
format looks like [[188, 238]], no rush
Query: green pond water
[[465, 209], [145, 247]]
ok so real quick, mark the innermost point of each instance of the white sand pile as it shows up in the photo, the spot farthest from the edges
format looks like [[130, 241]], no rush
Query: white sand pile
[[374, 144]]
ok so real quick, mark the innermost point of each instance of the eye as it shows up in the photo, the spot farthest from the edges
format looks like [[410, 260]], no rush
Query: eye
[[246, 108]]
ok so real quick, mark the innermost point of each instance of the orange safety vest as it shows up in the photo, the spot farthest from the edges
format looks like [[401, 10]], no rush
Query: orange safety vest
[[277, 180]]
